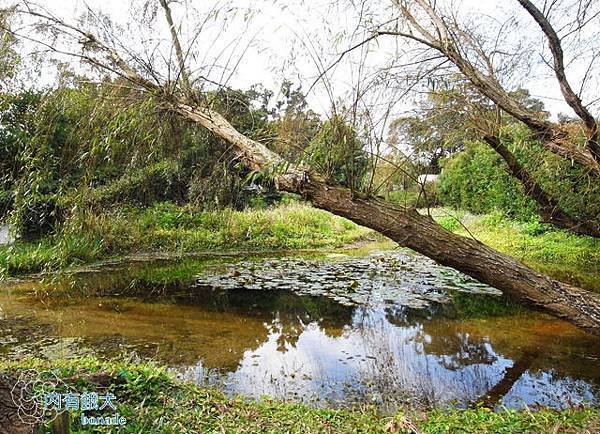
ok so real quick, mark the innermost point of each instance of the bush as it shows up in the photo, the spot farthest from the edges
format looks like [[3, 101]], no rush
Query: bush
[[39, 216], [476, 180], [144, 186], [416, 197], [337, 152], [6, 202]]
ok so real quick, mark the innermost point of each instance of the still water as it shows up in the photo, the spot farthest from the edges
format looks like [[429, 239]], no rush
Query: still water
[[389, 328]]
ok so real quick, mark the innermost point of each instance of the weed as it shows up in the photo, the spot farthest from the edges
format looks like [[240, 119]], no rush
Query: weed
[[154, 401]]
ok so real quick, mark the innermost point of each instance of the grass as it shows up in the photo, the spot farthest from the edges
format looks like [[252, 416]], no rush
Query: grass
[[166, 227], [559, 253], [294, 226], [510, 421], [153, 401]]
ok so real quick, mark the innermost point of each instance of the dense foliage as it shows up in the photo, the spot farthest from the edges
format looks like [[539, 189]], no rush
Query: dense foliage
[[337, 153], [102, 145], [477, 180]]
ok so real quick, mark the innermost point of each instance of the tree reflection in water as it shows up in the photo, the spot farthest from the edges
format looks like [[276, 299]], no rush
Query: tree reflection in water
[[387, 357], [311, 348]]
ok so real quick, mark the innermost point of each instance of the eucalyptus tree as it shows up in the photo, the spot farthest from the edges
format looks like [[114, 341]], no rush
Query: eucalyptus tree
[[165, 72]]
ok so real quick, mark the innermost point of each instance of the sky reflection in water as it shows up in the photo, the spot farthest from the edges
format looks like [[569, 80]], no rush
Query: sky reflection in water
[[373, 360]]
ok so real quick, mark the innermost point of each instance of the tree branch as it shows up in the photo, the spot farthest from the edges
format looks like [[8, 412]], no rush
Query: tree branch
[[569, 94], [552, 136], [548, 208], [187, 89]]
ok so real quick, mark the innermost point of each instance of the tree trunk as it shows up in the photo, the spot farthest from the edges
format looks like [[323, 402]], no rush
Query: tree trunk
[[570, 96], [548, 209], [453, 43], [422, 234], [410, 229]]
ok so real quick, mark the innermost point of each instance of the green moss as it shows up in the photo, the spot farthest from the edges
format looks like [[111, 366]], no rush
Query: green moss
[[153, 401]]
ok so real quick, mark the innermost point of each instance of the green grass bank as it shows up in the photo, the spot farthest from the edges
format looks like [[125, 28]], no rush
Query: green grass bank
[[153, 401], [166, 227], [559, 253]]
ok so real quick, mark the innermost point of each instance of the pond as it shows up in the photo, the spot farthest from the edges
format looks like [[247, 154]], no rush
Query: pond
[[386, 327]]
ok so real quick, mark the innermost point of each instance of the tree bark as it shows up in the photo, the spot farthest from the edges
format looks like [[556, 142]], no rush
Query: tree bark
[[574, 101], [410, 229], [548, 209]]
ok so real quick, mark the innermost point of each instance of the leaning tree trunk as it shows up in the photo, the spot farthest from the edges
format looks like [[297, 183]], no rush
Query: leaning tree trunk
[[407, 227], [548, 209], [422, 234], [419, 232]]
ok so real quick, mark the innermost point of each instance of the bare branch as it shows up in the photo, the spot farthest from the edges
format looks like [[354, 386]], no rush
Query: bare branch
[[570, 96]]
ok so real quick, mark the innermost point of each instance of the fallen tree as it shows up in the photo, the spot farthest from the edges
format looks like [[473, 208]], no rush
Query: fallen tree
[[413, 230], [403, 225]]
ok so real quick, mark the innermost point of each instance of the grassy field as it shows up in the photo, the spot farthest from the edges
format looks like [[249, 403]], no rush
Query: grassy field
[[153, 401], [559, 253], [174, 229]]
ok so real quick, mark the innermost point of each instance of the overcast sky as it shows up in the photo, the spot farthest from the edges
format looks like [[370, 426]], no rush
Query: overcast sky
[[265, 41]]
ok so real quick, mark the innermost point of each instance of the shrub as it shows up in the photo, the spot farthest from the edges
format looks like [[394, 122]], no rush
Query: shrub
[[416, 197], [476, 180], [140, 187], [6, 200], [337, 152]]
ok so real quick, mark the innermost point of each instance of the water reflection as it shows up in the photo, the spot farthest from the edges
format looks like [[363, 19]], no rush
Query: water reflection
[[314, 349], [373, 360]]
